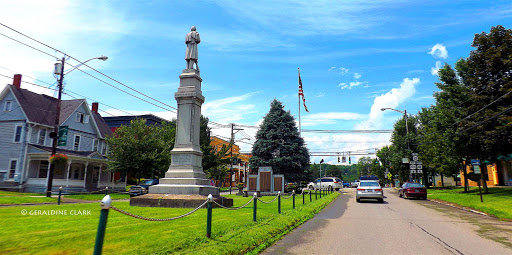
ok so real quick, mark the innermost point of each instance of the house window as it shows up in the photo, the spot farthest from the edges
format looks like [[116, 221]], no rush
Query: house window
[[12, 168], [104, 149], [76, 145], [42, 136], [17, 134], [82, 118], [8, 106], [43, 169], [95, 143]]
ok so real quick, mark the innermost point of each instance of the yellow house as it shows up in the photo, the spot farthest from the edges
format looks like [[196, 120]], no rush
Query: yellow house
[[492, 175], [240, 166]]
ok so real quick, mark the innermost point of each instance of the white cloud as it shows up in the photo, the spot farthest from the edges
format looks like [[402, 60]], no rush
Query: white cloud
[[230, 109], [351, 85], [332, 68], [321, 94], [435, 69], [391, 99], [357, 76], [439, 51], [343, 70], [329, 118]]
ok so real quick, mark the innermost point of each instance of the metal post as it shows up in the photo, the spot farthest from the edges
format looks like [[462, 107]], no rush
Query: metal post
[[320, 191], [479, 189], [279, 201], [106, 190], [60, 194], [106, 202], [255, 196], [209, 217], [303, 202], [316, 194], [293, 195], [310, 199], [49, 182]]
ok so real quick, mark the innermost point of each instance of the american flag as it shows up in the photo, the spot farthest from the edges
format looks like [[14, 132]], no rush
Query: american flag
[[301, 93]]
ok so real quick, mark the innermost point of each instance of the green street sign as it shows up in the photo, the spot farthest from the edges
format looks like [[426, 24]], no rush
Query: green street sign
[[476, 169], [63, 136]]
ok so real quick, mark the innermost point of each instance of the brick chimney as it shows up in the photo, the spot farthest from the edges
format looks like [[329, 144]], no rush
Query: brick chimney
[[17, 81], [95, 107]]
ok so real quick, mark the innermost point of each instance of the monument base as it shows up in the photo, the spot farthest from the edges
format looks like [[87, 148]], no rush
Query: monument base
[[176, 201], [182, 189]]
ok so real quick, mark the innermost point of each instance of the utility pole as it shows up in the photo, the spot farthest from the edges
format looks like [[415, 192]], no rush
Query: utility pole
[[55, 128], [232, 144]]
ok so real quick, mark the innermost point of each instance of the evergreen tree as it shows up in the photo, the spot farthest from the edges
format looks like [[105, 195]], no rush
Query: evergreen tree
[[279, 145]]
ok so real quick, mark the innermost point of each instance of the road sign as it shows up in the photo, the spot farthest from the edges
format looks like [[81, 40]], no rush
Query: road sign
[[63, 136], [420, 171], [476, 169], [405, 160], [419, 167], [415, 158], [412, 167], [413, 171], [475, 162], [389, 176], [412, 162], [414, 154], [418, 162]]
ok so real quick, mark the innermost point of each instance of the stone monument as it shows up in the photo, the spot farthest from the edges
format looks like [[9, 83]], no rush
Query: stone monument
[[185, 180]]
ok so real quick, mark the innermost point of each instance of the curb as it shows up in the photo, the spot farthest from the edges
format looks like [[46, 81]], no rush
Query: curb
[[461, 207]]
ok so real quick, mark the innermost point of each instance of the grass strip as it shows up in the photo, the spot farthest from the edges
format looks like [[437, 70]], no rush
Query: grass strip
[[497, 203], [233, 231]]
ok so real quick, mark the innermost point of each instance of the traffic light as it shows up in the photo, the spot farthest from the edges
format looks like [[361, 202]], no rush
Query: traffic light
[[338, 159], [349, 161]]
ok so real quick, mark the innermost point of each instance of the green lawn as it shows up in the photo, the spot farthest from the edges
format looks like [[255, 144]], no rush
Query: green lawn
[[233, 231], [497, 203], [97, 197], [8, 197]]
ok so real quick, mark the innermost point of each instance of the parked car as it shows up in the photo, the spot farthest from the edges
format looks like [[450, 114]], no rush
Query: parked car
[[354, 184], [142, 188], [346, 184], [412, 189], [326, 183], [369, 190]]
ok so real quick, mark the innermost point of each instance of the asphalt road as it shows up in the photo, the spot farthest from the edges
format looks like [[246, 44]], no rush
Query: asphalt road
[[397, 226]]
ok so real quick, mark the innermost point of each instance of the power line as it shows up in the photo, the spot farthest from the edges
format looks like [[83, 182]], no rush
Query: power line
[[347, 131]]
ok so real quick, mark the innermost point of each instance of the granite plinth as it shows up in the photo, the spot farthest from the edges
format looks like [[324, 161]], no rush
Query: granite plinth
[[176, 201]]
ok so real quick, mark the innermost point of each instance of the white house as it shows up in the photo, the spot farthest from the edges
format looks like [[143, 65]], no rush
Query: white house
[[26, 121]]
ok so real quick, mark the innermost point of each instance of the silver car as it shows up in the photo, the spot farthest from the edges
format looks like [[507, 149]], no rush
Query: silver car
[[326, 183], [369, 190]]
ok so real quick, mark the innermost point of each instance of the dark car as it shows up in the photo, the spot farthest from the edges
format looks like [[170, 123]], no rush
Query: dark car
[[142, 188], [412, 189]]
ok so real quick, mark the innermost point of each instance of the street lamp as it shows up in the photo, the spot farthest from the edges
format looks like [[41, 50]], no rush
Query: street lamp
[[406, 126], [59, 70]]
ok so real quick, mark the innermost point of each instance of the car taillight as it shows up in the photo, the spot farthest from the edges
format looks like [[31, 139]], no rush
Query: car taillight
[[335, 182], [378, 189], [360, 189]]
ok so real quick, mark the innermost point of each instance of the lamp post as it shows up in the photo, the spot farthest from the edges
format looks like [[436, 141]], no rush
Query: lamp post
[[59, 70], [406, 126]]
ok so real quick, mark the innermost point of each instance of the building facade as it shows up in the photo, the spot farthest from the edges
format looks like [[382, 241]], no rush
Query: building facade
[[27, 120], [240, 164]]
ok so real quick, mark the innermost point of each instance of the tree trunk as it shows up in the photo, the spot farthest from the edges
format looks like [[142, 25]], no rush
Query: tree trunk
[[442, 180], [465, 169], [483, 172]]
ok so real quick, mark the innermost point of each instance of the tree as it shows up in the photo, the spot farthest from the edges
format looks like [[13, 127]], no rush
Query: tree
[[142, 150], [279, 145], [490, 80]]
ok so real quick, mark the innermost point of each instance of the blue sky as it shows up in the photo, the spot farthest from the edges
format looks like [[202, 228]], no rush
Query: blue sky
[[355, 57]]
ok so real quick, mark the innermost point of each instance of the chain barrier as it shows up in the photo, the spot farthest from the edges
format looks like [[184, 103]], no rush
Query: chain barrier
[[269, 201], [288, 197], [155, 219], [230, 208]]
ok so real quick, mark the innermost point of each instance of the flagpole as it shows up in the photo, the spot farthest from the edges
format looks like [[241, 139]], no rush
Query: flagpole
[[298, 95]]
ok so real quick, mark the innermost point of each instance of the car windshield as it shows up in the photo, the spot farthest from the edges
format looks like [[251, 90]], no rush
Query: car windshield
[[415, 185], [148, 182], [364, 178], [368, 184]]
